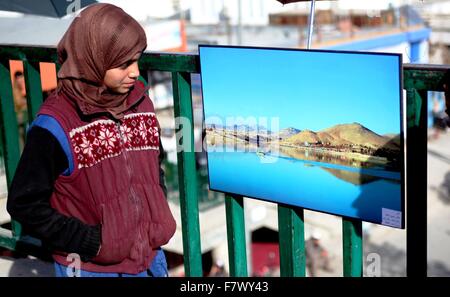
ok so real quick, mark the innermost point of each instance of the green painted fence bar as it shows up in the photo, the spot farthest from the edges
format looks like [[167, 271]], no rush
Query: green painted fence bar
[[34, 88], [291, 232], [352, 247], [170, 62], [8, 124], [237, 253], [9, 140], [417, 80], [416, 232], [28, 53], [7, 239], [187, 173], [428, 77]]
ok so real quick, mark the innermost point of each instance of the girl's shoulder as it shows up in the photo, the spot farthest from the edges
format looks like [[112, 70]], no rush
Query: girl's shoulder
[[54, 98], [58, 106]]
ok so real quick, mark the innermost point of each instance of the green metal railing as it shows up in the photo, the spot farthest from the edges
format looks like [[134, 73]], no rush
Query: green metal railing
[[417, 79], [206, 199]]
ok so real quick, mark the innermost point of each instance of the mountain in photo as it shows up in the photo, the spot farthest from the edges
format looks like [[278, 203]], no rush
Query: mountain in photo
[[285, 133], [353, 134]]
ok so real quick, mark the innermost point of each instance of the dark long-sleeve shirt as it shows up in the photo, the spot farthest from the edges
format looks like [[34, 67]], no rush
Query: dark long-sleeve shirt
[[42, 161]]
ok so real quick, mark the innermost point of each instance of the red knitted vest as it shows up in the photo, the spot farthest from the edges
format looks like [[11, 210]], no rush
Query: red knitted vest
[[115, 182]]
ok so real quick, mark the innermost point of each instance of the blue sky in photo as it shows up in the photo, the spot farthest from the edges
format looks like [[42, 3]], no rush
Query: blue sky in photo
[[305, 89]]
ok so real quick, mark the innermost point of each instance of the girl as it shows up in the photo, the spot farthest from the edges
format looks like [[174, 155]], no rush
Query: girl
[[89, 182]]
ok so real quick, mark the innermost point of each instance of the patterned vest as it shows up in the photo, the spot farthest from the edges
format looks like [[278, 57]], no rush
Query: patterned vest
[[115, 182]]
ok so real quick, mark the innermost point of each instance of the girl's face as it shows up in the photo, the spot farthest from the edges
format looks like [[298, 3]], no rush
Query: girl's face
[[122, 78]]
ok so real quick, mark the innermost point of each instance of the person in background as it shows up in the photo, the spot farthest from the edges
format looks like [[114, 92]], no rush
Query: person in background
[[446, 86], [20, 104], [218, 269], [316, 255], [439, 115]]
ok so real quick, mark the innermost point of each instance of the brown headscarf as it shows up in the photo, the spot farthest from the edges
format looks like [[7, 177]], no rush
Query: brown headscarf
[[102, 37]]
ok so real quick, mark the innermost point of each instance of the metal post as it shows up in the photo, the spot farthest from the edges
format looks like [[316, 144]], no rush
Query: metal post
[[181, 82], [291, 230], [237, 237], [352, 247], [311, 23], [239, 23], [416, 186]]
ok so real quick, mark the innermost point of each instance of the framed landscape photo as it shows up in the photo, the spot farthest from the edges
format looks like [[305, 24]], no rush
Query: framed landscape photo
[[317, 129]]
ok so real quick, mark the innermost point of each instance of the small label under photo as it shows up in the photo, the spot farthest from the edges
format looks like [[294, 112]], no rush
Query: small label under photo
[[391, 217]]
